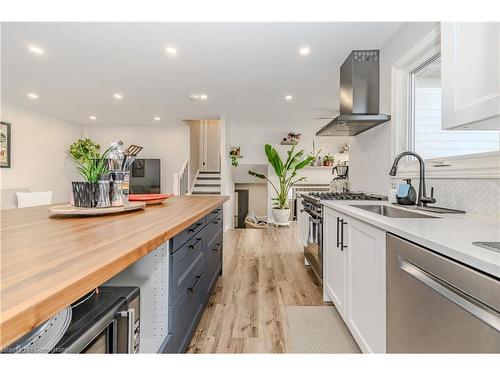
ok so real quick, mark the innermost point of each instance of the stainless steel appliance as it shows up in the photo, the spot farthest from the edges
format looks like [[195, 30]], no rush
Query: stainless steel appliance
[[311, 202], [359, 95], [437, 305], [106, 320]]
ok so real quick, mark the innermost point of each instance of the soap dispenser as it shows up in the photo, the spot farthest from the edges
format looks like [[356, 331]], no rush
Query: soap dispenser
[[407, 195]]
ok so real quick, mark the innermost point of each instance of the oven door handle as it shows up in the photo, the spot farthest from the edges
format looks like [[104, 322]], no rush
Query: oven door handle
[[130, 315], [465, 301]]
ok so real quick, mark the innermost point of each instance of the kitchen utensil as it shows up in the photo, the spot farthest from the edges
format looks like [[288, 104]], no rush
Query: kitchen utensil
[[149, 198], [133, 150]]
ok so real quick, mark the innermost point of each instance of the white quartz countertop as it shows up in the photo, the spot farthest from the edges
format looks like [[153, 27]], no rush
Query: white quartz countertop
[[450, 234]]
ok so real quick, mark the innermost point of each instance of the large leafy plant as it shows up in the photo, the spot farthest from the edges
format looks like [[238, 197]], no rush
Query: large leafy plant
[[286, 172], [86, 153]]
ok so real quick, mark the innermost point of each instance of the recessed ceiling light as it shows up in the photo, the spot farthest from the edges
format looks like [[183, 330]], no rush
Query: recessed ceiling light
[[288, 97], [32, 95], [118, 96], [304, 51], [92, 117], [36, 50], [197, 97], [157, 118], [171, 51]]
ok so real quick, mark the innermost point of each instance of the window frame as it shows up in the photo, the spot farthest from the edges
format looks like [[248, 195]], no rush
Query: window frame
[[478, 165]]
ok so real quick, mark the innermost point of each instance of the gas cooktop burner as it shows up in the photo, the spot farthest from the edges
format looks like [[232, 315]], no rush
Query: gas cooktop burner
[[321, 195], [341, 196]]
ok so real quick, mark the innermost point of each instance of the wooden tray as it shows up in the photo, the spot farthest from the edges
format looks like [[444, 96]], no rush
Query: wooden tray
[[69, 210]]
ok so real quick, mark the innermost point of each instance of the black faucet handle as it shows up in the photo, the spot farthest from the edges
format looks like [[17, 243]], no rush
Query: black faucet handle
[[431, 199]]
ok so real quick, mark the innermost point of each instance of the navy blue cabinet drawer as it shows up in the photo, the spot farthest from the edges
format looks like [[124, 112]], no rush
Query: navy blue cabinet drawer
[[213, 214], [183, 264], [214, 261], [186, 312], [186, 234], [213, 228]]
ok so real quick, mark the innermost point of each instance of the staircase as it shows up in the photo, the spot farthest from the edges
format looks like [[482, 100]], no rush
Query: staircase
[[207, 183]]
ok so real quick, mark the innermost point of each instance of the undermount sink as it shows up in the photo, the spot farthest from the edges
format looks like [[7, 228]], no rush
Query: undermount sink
[[392, 212]]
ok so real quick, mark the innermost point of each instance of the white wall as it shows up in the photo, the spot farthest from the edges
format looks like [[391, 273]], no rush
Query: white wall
[[170, 143], [253, 137], [370, 152], [39, 152]]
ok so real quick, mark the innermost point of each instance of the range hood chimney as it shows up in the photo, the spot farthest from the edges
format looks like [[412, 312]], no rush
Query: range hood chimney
[[359, 96]]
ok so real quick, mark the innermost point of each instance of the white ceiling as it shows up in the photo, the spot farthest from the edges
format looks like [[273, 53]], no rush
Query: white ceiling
[[246, 69]]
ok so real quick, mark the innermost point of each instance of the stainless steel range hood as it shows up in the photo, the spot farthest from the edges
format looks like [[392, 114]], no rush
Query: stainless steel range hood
[[359, 96]]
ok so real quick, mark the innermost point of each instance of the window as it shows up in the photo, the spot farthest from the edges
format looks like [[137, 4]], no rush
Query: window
[[416, 121], [425, 135]]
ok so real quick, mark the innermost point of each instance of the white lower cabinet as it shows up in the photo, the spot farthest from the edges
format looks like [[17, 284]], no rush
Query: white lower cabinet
[[354, 277], [334, 260], [366, 285]]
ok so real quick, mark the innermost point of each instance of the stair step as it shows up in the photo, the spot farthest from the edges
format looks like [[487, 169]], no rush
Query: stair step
[[206, 172], [208, 178], [206, 185]]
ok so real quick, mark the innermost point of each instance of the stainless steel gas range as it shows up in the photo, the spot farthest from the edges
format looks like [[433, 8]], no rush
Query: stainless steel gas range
[[313, 245]]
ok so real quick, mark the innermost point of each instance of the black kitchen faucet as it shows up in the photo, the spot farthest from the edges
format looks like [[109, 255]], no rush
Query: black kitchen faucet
[[423, 200]]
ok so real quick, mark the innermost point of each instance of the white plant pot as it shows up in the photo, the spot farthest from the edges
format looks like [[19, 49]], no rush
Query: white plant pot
[[281, 216]]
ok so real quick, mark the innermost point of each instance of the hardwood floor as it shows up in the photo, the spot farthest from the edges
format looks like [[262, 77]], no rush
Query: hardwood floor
[[263, 271]]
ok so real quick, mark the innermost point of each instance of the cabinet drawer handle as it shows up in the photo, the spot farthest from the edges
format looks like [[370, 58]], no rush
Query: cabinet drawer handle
[[217, 210], [198, 279], [217, 246], [342, 246], [195, 227], [338, 229], [196, 243], [217, 221]]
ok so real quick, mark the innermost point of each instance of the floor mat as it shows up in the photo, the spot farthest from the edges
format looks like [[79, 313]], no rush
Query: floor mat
[[319, 329]]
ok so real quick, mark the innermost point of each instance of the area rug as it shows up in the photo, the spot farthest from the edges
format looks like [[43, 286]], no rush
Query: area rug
[[319, 329]]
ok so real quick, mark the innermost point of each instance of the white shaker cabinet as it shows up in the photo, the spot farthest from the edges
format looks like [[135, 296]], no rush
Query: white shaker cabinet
[[366, 286], [470, 75], [334, 260], [354, 277]]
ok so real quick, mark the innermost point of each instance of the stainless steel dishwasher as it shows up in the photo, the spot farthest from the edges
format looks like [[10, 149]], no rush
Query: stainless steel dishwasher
[[437, 305]]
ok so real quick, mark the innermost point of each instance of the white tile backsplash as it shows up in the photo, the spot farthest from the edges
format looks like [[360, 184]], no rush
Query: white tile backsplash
[[478, 196]]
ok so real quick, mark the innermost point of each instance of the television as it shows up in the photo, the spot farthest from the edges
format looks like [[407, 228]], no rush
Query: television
[[145, 176]]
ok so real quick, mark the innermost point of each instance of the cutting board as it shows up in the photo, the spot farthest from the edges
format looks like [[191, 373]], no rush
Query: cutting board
[[69, 210]]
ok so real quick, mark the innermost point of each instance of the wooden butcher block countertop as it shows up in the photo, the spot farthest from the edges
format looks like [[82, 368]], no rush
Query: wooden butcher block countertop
[[48, 263]]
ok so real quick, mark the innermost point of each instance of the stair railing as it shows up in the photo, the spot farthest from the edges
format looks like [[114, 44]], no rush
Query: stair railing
[[181, 180]]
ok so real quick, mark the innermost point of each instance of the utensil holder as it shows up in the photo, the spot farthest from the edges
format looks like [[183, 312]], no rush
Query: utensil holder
[[85, 194]]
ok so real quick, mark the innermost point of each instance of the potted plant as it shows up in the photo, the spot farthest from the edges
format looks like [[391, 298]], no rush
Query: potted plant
[[293, 137], [90, 164], [328, 160], [234, 151], [234, 160], [315, 156], [286, 172]]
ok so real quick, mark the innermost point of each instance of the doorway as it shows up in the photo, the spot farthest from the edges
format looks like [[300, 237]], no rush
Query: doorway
[[241, 207], [209, 146]]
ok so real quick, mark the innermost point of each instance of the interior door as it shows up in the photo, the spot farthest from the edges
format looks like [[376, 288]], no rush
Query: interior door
[[242, 207], [210, 146]]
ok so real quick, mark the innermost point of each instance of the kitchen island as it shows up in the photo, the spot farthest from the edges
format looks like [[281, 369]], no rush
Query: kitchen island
[[48, 263]]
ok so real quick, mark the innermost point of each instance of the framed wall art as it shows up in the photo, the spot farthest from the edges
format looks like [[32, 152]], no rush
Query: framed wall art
[[5, 145]]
